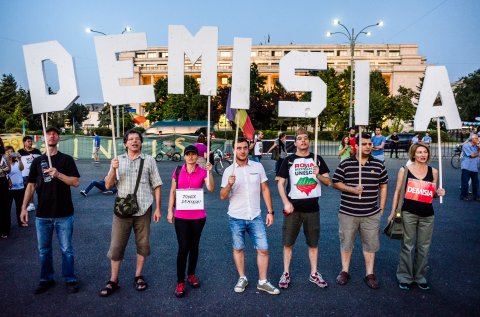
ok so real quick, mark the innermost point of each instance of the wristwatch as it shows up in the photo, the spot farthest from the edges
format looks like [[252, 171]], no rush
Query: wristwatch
[[271, 212]]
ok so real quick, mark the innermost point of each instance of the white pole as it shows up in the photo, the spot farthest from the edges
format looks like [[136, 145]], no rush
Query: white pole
[[315, 151], [47, 150], [235, 143], [113, 134], [359, 158], [46, 119], [440, 169], [208, 133]]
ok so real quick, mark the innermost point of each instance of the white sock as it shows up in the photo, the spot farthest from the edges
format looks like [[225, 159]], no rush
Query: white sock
[[244, 277], [261, 282]]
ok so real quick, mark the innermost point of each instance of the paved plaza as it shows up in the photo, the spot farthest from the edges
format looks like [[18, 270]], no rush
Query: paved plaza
[[453, 273]]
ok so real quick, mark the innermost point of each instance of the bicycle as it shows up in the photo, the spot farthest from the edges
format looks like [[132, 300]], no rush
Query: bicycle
[[456, 157], [171, 154], [221, 161]]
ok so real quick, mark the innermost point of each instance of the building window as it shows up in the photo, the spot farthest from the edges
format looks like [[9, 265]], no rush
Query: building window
[[263, 53], [225, 54], [330, 53], [276, 53], [253, 54], [342, 53], [357, 53], [381, 53], [152, 55], [394, 53], [224, 80], [140, 55], [368, 53]]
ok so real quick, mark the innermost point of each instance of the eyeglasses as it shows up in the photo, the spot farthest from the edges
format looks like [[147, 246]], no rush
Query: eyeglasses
[[133, 139]]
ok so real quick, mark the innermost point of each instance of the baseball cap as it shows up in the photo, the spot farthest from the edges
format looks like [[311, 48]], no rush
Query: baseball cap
[[190, 149], [52, 128]]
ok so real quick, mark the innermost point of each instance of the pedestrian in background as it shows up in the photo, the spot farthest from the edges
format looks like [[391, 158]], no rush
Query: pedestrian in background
[[28, 153], [96, 148], [257, 147], [4, 185], [427, 139], [378, 141], [417, 217], [189, 222], [279, 150], [17, 189], [100, 184], [345, 149], [201, 146], [469, 165], [394, 138]]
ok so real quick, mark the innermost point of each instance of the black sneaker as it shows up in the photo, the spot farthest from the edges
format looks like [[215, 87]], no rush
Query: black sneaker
[[424, 286], [43, 287], [404, 286], [72, 287]]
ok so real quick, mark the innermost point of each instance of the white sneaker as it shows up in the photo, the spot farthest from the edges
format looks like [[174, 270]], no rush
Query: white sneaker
[[269, 288], [241, 284], [31, 207]]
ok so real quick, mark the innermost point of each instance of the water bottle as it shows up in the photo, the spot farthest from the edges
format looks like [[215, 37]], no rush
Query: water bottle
[[46, 177]]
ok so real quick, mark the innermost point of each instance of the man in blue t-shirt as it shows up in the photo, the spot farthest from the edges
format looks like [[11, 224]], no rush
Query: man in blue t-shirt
[[427, 139], [378, 141], [96, 148]]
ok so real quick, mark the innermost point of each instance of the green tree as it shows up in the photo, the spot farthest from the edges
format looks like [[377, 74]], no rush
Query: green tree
[[8, 93], [467, 96], [77, 112]]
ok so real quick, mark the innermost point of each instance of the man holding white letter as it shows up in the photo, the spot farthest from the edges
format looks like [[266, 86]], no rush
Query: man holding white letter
[[242, 183], [359, 211]]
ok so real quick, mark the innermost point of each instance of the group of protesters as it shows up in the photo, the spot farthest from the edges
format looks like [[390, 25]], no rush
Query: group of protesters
[[361, 178]]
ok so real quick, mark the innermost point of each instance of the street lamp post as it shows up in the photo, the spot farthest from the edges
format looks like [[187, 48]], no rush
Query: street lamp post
[[352, 38], [125, 29]]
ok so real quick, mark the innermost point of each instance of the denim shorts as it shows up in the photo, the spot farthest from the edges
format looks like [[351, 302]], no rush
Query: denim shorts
[[255, 228]]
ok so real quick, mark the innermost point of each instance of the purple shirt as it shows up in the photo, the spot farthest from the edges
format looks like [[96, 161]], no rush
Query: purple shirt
[[193, 180], [202, 149]]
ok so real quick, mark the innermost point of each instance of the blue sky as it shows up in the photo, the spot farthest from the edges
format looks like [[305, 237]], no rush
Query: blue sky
[[445, 30]]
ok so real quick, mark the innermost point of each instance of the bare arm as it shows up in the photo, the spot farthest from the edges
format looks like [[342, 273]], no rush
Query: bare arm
[[112, 174], [272, 147], [440, 191], [267, 198], [348, 189], [158, 200], [171, 200], [396, 195], [225, 191], [26, 200], [69, 180], [287, 205], [383, 197], [210, 183]]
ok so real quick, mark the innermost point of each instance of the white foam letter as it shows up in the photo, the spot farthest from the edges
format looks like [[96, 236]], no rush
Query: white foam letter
[[362, 92], [35, 55], [181, 43], [111, 70], [241, 73], [306, 61], [436, 83]]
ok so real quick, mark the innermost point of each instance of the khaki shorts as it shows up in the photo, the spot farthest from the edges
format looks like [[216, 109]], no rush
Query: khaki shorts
[[348, 226], [311, 228], [121, 228]]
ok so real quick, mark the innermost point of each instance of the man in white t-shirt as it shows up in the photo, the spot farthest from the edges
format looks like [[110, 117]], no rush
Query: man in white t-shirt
[[242, 184], [257, 147], [28, 153]]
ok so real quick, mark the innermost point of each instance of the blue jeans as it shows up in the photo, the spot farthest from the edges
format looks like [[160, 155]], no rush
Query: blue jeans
[[256, 158], [466, 176], [255, 229], [100, 185], [64, 230]]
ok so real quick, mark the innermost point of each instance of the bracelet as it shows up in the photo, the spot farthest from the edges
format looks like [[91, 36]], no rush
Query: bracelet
[[271, 212]]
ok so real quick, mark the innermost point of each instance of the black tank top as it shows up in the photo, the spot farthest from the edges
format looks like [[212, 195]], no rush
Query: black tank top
[[417, 207]]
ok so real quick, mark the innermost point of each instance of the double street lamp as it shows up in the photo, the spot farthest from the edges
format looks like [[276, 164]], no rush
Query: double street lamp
[[125, 29], [352, 38]]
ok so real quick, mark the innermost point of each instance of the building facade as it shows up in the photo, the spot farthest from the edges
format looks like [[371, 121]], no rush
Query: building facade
[[400, 64]]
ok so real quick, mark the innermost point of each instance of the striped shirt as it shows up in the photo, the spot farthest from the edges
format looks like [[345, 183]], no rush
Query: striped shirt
[[127, 174], [373, 175]]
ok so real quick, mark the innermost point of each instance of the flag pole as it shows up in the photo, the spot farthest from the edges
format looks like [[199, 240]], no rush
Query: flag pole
[[113, 134], [440, 169], [360, 158], [47, 150]]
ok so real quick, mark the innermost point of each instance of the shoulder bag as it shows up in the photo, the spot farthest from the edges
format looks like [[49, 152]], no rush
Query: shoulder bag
[[126, 207], [394, 229]]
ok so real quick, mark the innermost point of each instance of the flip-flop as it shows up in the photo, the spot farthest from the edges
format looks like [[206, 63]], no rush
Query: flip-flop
[[140, 284]]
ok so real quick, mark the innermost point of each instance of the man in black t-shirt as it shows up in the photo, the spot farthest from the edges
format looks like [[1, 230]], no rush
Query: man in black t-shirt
[[54, 211], [28, 153], [300, 204], [394, 144]]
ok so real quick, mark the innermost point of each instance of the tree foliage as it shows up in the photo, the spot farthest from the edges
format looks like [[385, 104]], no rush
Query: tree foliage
[[467, 96]]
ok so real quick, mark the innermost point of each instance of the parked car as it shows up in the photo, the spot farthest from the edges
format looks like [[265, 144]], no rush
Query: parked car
[[404, 142]]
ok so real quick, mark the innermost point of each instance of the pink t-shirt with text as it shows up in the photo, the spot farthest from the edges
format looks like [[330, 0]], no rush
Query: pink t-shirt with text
[[193, 180]]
